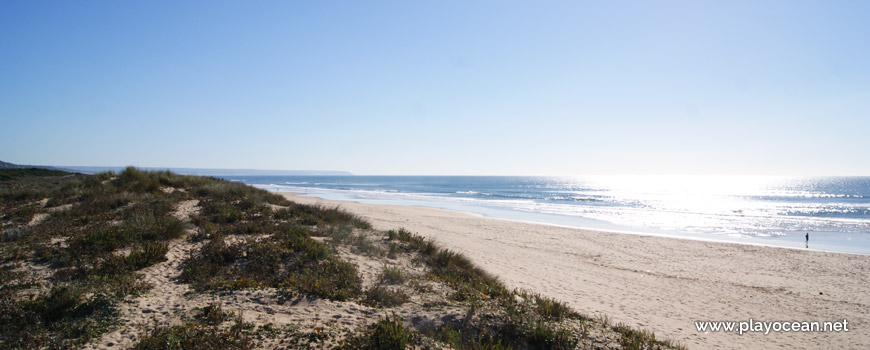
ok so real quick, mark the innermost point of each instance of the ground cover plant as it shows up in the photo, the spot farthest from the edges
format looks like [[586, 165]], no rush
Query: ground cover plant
[[75, 249], [206, 335], [90, 234], [288, 259]]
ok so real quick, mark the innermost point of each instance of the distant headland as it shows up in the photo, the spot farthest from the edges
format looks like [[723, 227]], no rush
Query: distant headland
[[186, 171]]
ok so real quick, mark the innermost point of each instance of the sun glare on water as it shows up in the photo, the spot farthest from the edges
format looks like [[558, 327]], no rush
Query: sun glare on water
[[686, 202]]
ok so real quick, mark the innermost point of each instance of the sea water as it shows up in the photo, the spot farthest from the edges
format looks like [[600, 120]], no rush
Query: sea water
[[778, 211]]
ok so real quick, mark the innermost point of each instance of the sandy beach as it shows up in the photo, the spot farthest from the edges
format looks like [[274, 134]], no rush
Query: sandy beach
[[662, 284]]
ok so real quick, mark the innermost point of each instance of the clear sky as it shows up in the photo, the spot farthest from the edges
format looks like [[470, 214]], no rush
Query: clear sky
[[440, 87]]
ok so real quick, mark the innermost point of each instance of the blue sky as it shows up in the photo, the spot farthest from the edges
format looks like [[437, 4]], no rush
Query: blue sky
[[440, 87]]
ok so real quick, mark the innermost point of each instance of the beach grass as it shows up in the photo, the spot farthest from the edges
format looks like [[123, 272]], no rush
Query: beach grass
[[93, 218], [392, 275], [387, 334], [196, 336], [75, 247]]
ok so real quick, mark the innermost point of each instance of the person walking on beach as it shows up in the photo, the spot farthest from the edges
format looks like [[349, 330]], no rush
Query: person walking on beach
[[807, 244]]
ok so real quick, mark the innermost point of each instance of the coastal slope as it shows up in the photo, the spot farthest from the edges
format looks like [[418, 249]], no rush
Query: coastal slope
[[156, 260]]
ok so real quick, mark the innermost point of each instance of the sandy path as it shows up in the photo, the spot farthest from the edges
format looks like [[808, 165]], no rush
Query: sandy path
[[160, 305], [164, 302], [663, 284], [168, 302]]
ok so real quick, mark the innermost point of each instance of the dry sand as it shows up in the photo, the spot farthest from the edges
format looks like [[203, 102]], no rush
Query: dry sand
[[658, 283]]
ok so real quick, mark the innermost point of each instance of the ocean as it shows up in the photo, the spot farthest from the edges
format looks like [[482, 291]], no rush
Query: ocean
[[777, 211]]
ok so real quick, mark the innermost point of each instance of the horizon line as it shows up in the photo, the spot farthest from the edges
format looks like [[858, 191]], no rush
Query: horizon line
[[352, 173]]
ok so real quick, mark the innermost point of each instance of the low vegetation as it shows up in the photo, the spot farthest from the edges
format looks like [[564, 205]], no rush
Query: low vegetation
[[386, 334], [75, 247], [198, 336], [93, 233], [13, 174], [288, 259]]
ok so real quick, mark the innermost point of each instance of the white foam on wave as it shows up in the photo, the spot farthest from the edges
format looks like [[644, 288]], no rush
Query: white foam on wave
[[740, 220]]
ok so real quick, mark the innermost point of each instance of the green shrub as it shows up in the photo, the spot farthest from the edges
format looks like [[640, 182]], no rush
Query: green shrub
[[221, 190], [170, 179], [380, 296], [112, 201], [469, 280], [208, 265], [13, 174], [21, 215], [458, 339], [212, 314], [141, 256], [193, 336], [151, 227], [414, 242], [340, 217], [132, 179], [60, 318], [146, 254], [392, 275], [636, 339], [386, 334], [552, 309], [19, 195], [330, 278], [59, 302], [282, 214], [102, 240], [289, 259], [453, 268], [299, 240], [344, 234], [544, 336]]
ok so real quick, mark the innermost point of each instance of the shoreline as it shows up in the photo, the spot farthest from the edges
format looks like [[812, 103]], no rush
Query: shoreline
[[822, 241], [687, 236], [655, 282], [647, 234]]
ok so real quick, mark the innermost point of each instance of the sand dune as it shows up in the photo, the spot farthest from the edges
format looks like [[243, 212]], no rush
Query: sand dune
[[662, 284]]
